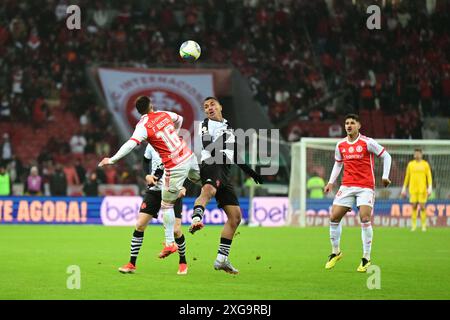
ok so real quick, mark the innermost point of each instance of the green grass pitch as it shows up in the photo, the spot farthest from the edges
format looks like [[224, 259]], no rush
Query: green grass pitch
[[275, 263]]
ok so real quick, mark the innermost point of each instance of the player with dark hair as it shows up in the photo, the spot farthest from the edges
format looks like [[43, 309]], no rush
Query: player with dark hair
[[356, 154], [218, 153], [160, 129], [151, 204]]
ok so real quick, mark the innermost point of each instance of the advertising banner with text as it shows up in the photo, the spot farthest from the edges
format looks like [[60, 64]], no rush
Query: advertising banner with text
[[266, 211]]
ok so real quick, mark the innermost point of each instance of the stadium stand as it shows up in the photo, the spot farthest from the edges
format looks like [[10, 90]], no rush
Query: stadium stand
[[295, 54]]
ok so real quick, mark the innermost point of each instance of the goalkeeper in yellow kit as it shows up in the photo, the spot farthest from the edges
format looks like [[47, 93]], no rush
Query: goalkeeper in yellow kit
[[418, 176]]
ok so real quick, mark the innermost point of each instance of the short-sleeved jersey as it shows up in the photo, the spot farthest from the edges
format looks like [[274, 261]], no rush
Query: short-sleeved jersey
[[418, 176], [159, 130], [358, 159], [216, 129]]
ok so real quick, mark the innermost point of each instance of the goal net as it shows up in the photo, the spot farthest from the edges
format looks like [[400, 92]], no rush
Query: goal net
[[315, 157]]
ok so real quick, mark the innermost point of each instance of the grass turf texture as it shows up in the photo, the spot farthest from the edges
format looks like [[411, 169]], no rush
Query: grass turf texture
[[275, 263]]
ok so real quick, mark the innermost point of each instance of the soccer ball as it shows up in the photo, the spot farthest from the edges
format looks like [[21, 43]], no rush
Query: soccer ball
[[190, 50]]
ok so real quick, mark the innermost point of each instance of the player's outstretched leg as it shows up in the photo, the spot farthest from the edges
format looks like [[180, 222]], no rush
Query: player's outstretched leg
[[208, 191], [197, 217]]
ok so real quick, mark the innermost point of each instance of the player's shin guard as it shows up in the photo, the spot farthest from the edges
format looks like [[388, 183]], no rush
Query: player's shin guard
[[169, 221], [366, 236], [335, 236]]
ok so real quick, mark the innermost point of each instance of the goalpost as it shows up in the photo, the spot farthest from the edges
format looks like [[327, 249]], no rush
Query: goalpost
[[316, 156]]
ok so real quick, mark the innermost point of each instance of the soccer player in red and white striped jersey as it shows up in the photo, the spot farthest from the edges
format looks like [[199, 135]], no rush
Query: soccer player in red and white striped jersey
[[356, 153], [160, 129]]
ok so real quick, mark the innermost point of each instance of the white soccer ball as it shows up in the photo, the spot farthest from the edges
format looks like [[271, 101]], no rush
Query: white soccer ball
[[190, 50]]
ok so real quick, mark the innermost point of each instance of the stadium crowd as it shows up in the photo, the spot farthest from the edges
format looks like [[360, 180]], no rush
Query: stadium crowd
[[294, 53]]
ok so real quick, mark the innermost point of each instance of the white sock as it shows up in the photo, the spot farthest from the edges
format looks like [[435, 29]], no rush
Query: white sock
[[366, 236], [169, 221], [335, 236]]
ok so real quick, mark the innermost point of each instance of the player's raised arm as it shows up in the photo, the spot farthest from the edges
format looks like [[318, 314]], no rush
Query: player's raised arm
[[338, 164], [139, 134], [240, 161]]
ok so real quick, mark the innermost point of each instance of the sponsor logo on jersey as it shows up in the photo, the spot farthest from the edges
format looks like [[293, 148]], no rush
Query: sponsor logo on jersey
[[354, 156]]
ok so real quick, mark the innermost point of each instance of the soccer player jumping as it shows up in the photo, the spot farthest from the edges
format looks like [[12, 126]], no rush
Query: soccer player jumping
[[219, 152], [356, 153], [160, 129], [418, 176]]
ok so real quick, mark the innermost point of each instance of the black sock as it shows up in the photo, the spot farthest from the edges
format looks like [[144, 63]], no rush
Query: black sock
[[198, 211], [181, 248], [136, 243], [225, 246]]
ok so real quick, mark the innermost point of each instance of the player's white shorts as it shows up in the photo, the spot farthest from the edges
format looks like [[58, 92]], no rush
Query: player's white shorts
[[346, 197], [174, 178]]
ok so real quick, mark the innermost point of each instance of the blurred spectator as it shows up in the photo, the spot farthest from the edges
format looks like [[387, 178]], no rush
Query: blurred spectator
[[101, 176], [34, 185], [78, 143], [295, 134], [315, 185], [102, 148], [71, 174], [111, 174], [5, 181], [90, 187], [58, 182], [335, 130], [430, 132], [5, 108], [39, 113], [6, 149], [16, 169], [81, 172]]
